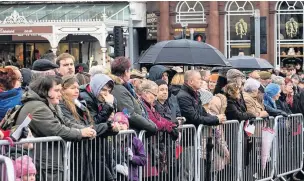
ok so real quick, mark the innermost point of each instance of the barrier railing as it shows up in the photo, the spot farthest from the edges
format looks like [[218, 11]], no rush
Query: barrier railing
[[289, 144], [7, 172], [258, 151], [218, 152], [48, 155], [168, 159], [104, 158]]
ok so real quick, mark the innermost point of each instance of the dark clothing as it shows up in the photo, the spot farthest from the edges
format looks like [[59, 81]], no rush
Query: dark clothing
[[47, 120], [237, 110], [100, 111], [262, 89], [174, 89], [282, 104], [125, 100], [300, 103], [9, 99], [169, 110], [156, 72], [221, 83], [192, 109]]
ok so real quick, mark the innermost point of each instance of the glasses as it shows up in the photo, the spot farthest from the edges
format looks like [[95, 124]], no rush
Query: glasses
[[153, 93], [20, 79]]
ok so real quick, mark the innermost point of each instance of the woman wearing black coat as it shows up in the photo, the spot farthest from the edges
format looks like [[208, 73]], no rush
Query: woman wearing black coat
[[76, 112], [236, 107]]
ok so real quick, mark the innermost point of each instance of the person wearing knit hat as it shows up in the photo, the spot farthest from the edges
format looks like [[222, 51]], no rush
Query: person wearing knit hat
[[236, 76], [205, 96], [272, 94], [212, 82], [25, 169]]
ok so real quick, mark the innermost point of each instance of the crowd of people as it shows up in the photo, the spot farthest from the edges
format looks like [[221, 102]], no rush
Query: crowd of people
[[78, 102]]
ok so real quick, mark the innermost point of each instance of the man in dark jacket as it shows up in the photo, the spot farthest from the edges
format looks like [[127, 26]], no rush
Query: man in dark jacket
[[190, 104]]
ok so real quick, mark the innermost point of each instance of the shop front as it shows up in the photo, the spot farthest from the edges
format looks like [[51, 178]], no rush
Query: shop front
[[289, 37], [28, 31]]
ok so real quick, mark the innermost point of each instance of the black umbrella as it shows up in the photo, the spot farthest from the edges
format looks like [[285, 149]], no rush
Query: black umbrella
[[248, 62], [183, 52]]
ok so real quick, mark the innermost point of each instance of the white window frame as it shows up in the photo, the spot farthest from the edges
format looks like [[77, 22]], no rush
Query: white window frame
[[277, 41], [192, 16], [241, 11]]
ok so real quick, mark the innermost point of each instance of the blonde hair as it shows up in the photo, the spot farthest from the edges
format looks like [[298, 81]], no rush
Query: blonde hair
[[12, 67], [64, 56], [178, 79], [147, 85]]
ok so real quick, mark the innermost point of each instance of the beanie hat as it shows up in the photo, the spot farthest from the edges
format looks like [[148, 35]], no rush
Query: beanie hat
[[232, 74], [98, 81], [214, 77], [121, 118], [272, 89], [44, 65], [205, 96], [251, 85], [23, 166], [161, 82], [265, 75]]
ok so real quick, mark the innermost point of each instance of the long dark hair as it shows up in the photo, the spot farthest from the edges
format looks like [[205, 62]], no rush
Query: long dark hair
[[43, 85], [67, 82]]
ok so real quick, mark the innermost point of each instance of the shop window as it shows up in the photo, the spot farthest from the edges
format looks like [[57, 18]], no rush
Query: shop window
[[190, 12], [237, 27], [289, 33]]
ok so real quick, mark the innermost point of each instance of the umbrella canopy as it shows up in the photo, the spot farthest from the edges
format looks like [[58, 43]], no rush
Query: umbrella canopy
[[248, 62], [183, 52]]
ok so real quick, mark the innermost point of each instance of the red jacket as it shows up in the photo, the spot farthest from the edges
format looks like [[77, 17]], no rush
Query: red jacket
[[161, 123]]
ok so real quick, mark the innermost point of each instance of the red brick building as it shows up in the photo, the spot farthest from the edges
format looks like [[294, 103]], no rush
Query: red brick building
[[227, 25]]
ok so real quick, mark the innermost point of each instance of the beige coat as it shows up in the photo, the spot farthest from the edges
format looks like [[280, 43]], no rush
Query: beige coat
[[252, 104], [221, 155]]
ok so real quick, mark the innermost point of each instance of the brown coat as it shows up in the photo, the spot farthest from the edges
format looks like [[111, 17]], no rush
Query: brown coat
[[253, 105], [218, 104]]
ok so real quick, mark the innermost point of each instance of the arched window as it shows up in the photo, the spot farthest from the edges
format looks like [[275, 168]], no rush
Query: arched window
[[237, 27], [289, 33], [190, 12]]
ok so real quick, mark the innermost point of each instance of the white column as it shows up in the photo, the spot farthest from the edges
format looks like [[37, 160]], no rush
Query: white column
[[104, 55]]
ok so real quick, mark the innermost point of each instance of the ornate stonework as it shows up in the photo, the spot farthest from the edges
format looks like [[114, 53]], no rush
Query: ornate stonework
[[15, 18]]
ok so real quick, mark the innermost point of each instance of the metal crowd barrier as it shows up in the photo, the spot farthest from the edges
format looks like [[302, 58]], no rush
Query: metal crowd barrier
[[7, 172], [218, 152], [289, 145], [48, 155], [168, 159], [104, 158], [258, 151]]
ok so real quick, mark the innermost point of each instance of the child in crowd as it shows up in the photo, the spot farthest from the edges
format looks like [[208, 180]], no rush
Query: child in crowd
[[25, 169], [135, 151]]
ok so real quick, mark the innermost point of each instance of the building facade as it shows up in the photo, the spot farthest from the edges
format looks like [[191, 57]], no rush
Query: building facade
[[30, 29], [227, 25]]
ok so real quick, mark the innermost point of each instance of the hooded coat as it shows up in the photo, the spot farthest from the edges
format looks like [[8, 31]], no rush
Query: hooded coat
[[156, 72], [9, 99], [47, 120]]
